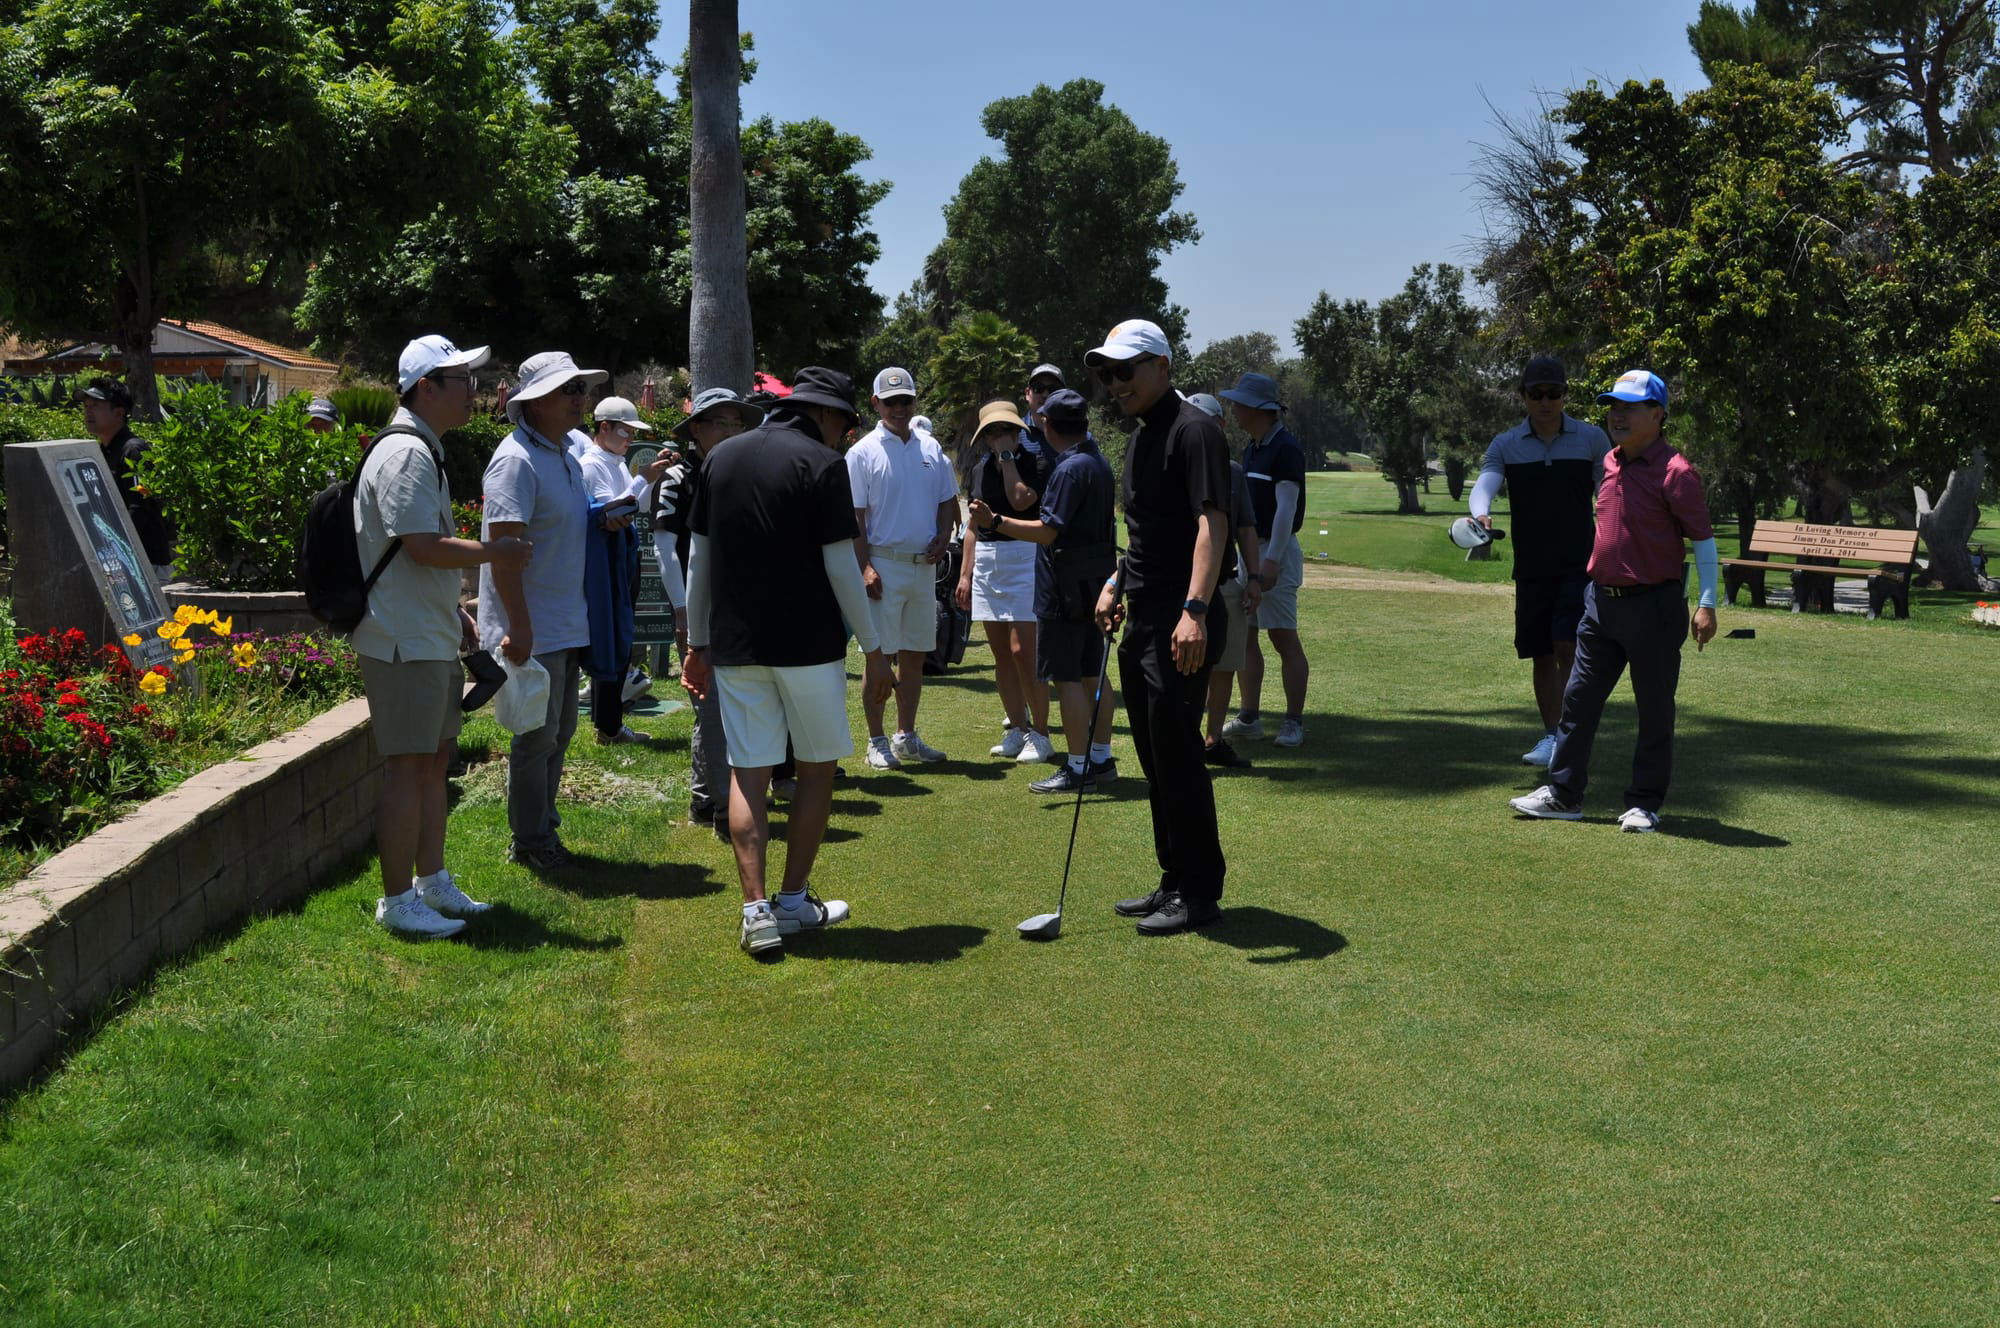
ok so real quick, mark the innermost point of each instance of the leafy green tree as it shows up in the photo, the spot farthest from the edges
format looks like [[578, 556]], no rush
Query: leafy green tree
[[1220, 363], [907, 337], [131, 132], [1398, 364], [982, 358], [1063, 234]]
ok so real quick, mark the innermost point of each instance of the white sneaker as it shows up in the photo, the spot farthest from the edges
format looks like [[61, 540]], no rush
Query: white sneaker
[[1545, 804], [1638, 821], [910, 747], [1238, 727], [810, 915], [408, 915], [1291, 733], [881, 756], [1038, 749], [446, 897], [637, 684], [1543, 754], [1010, 743], [760, 932]]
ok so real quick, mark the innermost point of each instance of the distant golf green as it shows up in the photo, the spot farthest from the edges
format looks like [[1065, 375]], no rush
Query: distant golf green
[[1437, 1066]]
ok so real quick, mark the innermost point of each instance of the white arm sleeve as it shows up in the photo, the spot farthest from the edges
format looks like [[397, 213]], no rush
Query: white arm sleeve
[[698, 591], [670, 569], [1287, 502], [1484, 492], [1707, 567], [845, 576]]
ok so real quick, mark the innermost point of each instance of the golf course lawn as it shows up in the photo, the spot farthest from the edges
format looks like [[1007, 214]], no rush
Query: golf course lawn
[[1437, 1065]]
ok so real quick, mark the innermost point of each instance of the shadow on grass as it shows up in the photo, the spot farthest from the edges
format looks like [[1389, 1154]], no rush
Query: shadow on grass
[[1255, 928], [1422, 753], [889, 784], [1708, 830], [933, 944], [504, 928], [591, 877]]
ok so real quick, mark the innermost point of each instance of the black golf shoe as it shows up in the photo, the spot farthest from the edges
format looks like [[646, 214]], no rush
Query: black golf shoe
[[1064, 780], [1143, 905], [1177, 914], [1107, 769], [1222, 754]]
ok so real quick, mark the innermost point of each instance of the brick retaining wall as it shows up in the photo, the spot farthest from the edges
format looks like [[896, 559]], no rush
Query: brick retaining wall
[[242, 837]]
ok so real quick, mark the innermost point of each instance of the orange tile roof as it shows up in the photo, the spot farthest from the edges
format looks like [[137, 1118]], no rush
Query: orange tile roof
[[297, 359]]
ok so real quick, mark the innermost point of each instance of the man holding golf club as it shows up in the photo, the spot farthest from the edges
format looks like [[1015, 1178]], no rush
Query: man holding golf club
[[1551, 465], [1176, 493]]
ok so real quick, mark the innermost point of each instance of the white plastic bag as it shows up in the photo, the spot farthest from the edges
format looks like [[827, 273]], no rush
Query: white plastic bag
[[522, 706]]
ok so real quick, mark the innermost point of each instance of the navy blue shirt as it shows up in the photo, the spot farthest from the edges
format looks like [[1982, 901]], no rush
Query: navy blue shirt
[[1077, 501], [1549, 490], [1265, 465]]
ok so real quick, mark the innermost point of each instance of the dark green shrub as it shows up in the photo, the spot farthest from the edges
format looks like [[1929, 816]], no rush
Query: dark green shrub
[[236, 483], [467, 449], [365, 407]]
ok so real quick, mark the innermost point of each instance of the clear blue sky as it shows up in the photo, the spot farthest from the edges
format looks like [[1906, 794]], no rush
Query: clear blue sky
[[1324, 146]]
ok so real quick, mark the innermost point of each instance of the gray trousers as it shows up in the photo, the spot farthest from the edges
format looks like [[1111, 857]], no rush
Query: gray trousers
[[708, 761], [535, 760]]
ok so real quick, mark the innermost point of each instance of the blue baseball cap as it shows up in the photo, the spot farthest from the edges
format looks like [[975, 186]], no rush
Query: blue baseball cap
[[1635, 385]]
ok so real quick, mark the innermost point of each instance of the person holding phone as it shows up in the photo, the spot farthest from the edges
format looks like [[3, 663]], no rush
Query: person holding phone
[[611, 566]]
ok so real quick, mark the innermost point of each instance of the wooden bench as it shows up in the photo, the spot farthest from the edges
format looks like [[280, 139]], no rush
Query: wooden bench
[[1891, 555]]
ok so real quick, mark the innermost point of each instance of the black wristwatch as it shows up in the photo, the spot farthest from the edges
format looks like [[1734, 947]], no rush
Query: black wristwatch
[[1195, 606], [1007, 455]]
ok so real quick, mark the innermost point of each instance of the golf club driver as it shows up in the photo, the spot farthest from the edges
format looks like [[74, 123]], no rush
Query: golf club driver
[[1048, 926]]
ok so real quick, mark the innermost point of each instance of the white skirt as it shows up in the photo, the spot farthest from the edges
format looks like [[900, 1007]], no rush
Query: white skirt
[[1003, 581]]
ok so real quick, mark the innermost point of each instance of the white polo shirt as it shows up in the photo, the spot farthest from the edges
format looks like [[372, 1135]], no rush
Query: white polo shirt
[[606, 478], [901, 484]]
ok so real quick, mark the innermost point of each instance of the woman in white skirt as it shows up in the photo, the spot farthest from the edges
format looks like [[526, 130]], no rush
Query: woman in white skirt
[[996, 580]]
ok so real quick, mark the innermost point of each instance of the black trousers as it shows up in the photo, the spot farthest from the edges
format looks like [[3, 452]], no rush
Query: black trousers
[[1643, 633], [1165, 708]]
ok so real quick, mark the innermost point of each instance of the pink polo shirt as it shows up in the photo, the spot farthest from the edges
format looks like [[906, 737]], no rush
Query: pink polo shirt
[[1648, 507]]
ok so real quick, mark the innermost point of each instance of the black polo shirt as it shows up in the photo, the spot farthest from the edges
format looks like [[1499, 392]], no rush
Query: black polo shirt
[[989, 485], [155, 532], [1176, 465], [769, 500]]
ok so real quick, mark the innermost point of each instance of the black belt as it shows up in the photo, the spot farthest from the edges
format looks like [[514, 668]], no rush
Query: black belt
[[1627, 592]]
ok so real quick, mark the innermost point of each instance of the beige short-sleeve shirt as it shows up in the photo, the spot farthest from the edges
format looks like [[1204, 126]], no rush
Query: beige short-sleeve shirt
[[413, 609]]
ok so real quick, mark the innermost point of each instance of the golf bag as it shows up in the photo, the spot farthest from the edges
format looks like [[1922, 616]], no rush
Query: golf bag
[[954, 625]]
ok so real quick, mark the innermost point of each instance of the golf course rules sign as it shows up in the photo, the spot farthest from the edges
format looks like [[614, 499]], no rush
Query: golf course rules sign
[[77, 559]]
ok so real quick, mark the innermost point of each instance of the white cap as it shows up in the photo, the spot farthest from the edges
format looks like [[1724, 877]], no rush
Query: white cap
[[1205, 403], [617, 410], [1129, 340], [895, 383], [427, 355]]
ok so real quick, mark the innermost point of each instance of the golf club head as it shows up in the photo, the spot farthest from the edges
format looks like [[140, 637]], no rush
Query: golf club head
[[1041, 927]]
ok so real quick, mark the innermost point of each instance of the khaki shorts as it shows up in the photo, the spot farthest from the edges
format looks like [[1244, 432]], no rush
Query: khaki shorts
[[1229, 602], [1280, 605], [413, 704], [906, 615]]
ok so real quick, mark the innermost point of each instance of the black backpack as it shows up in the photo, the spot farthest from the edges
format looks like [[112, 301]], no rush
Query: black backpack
[[330, 550]]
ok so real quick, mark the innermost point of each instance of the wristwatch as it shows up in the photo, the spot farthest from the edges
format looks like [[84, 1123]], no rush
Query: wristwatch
[[1007, 455], [1195, 606]]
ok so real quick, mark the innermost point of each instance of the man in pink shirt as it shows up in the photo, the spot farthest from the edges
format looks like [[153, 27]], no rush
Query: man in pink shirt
[[1650, 507]]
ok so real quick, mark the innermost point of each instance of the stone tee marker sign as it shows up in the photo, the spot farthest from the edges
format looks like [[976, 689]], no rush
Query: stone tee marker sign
[[77, 560]]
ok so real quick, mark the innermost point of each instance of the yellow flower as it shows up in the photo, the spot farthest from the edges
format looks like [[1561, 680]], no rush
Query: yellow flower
[[245, 654], [134, 639], [171, 629], [152, 684], [221, 626], [187, 613], [206, 616], [183, 656]]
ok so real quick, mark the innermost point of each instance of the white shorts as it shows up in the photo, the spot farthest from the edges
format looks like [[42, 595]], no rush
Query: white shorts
[[1280, 606], [1003, 581], [762, 706], [906, 615]]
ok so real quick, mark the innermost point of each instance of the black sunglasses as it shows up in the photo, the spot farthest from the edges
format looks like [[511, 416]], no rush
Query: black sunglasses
[[1122, 372], [1046, 385], [1546, 393], [575, 387]]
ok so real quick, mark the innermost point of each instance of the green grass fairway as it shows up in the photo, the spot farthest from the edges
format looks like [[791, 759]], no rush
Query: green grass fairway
[[1438, 1066]]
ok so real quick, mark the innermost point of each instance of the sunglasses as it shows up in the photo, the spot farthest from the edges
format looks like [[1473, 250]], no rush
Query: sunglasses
[[1546, 393], [1122, 372], [573, 388], [1045, 386]]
